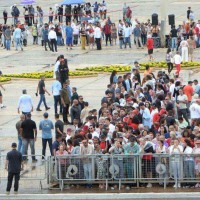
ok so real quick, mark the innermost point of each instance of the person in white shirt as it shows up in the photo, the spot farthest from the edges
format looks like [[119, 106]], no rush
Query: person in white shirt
[[25, 104], [53, 39], [195, 110], [127, 35], [56, 88], [177, 62], [184, 50], [56, 71], [97, 36]]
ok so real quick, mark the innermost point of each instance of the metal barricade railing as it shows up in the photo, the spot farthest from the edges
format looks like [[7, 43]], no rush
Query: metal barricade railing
[[84, 169], [33, 170]]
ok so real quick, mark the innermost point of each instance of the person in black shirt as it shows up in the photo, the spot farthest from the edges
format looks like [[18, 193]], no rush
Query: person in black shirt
[[55, 145], [63, 70], [59, 125], [188, 13], [41, 89], [173, 34], [29, 136], [60, 14], [14, 164]]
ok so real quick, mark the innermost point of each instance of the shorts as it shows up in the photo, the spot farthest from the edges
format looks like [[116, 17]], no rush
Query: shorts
[[0, 94], [150, 51], [69, 40]]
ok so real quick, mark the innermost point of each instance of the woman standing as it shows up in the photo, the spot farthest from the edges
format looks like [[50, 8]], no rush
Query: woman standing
[[113, 33], [51, 12], [191, 46], [184, 50], [169, 62], [113, 77], [35, 34], [91, 36], [83, 37], [150, 45]]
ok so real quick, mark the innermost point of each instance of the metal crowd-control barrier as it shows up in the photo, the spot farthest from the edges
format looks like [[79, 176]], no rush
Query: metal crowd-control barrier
[[32, 170]]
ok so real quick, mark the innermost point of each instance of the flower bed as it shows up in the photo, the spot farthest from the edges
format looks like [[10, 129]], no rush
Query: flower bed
[[47, 74], [127, 68], [4, 79]]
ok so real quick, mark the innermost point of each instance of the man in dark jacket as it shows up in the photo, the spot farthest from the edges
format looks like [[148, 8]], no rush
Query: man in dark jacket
[[14, 164], [63, 69], [45, 33], [15, 13]]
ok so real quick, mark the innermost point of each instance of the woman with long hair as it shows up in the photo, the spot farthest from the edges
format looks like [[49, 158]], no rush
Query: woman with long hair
[[113, 77], [169, 60]]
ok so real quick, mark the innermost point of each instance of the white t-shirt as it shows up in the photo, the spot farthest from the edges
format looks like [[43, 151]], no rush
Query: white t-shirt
[[25, 103], [182, 98], [195, 111]]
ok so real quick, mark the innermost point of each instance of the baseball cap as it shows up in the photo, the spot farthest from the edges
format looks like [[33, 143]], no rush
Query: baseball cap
[[14, 144], [189, 82], [147, 137]]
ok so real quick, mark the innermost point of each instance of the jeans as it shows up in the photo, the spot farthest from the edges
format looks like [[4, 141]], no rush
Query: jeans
[[41, 20], [138, 39], [44, 144], [15, 20], [174, 43], [108, 37], [144, 39], [127, 40], [57, 100], [50, 19], [189, 169], [45, 44], [53, 44], [8, 44], [20, 145], [10, 179], [120, 43], [18, 43], [121, 167], [65, 113], [170, 67], [87, 167], [25, 143], [42, 99], [184, 113], [59, 40], [129, 167]]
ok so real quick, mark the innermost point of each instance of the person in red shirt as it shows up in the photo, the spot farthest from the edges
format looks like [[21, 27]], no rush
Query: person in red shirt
[[150, 45], [107, 32], [189, 91]]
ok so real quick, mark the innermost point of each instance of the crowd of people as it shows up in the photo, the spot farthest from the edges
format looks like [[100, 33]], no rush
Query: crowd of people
[[153, 115]]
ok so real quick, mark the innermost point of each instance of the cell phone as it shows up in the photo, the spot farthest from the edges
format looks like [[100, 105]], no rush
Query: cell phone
[[36, 94]]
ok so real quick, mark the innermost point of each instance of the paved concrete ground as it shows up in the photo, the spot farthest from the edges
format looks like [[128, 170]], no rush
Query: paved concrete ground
[[34, 58]]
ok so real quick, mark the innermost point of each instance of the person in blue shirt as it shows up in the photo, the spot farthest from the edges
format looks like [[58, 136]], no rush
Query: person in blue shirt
[[46, 126], [69, 35]]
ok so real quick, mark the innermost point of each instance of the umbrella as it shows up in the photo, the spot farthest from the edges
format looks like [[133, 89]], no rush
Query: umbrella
[[27, 2], [70, 2]]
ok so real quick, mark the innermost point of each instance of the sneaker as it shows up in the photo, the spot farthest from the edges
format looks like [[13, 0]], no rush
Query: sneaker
[[47, 108], [38, 109], [197, 185], [15, 192], [112, 188], [149, 185], [3, 106], [179, 185], [7, 193], [35, 160], [174, 186]]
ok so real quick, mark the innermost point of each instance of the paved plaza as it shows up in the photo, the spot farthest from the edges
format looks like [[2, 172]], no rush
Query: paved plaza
[[35, 59]]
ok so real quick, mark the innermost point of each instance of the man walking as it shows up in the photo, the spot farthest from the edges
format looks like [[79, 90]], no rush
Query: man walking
[[29, 136], [65, 102], [18, 127], [46, 126], [69, 35], [56, 88], [14, 164], [107, 31], [41, 89], [25, 103], [45, 33]]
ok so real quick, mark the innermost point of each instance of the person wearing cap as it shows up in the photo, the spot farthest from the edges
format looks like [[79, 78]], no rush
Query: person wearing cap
[[46, 126], [1, 96], [14, 164], [25, 104], [53, 39], [29, 136]]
